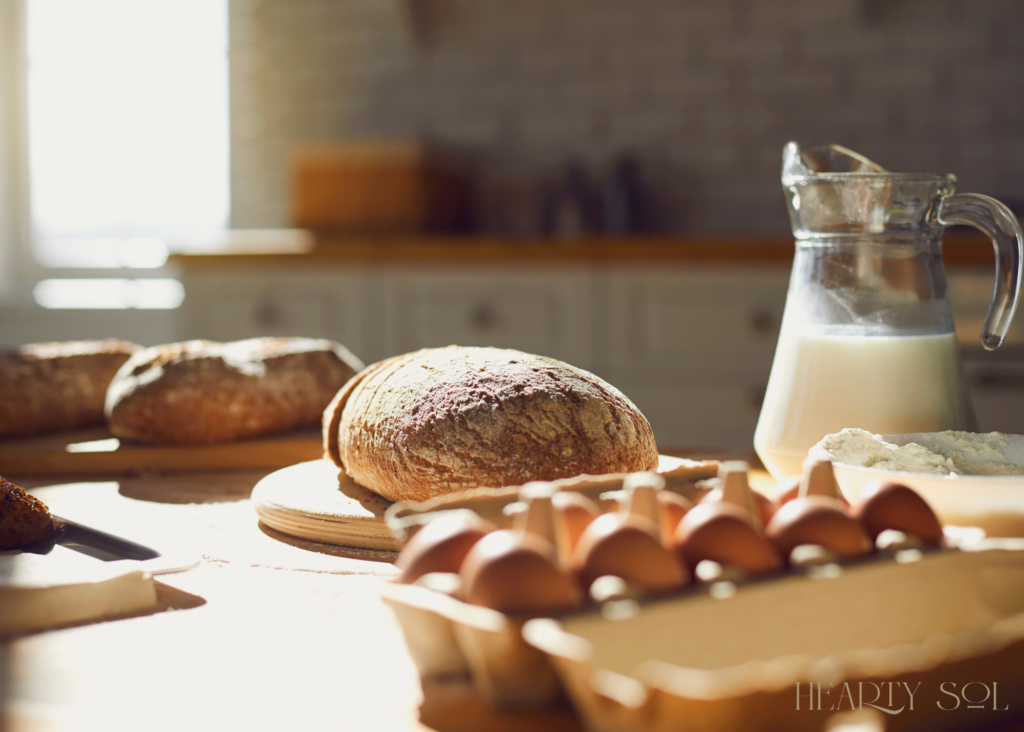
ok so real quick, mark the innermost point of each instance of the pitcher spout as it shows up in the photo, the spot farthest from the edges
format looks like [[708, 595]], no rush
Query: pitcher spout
[[798, 163]]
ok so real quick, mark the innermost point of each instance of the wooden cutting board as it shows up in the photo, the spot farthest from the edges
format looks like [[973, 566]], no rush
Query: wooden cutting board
[[316, 501], [96, 452]]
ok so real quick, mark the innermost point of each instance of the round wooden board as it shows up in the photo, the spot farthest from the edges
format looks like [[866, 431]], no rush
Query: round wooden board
[[316, 501]]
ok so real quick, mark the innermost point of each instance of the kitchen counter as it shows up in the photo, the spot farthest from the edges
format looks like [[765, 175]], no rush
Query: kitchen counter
[[959, 250], [262, 635], [267, 633]]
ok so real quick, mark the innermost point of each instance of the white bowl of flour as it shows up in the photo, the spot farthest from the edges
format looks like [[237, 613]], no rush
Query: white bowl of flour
[[969, 478]]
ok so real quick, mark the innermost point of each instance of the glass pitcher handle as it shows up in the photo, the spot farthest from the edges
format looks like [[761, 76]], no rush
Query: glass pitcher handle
[[998, 222]]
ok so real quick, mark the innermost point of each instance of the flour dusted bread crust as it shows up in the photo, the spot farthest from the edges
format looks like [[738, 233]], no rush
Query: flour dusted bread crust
[[45, 387], [24, 519], [201, 391], [447, 419]]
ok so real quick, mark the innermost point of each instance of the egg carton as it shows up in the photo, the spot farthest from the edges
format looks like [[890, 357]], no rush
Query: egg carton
[[451, 640], [691, 479], [728, 654], [730, 659]]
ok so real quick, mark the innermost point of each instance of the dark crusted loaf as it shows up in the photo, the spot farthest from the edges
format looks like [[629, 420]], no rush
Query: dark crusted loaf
[[46, 387], [447, 419], [24, 519], [201, 391]]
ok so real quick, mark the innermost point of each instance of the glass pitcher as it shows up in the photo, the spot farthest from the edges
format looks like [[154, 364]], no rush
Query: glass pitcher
[[867, 336]]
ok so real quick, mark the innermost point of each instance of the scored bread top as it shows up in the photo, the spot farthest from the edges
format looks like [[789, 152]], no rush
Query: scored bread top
[[57, 386], [331, 418], [447, 419], [202, 391]]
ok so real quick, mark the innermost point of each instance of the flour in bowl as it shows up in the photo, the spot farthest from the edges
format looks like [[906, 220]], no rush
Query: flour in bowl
[[959, 453]]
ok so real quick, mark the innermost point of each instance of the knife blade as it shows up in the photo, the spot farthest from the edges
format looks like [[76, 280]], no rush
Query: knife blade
[[110, 548]]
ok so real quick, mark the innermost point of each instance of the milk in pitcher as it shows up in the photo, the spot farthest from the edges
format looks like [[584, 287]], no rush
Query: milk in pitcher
[[823, 382]]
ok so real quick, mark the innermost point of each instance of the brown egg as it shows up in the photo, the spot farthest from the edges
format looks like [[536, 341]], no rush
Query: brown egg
[[818, 520], [627, 546], [764, 505], [894, 506], [818, 479], [517, 573], [576, 512], [727, 534], [734, 488], [441, 545], [787, 490], [673, 508], [792, 492]]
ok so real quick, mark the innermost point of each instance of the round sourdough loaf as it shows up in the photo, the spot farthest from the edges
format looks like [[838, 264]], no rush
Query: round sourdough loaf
[[447, 419], [202, 391]]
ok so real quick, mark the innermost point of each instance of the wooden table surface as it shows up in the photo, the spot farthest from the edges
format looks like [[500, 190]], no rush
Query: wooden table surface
[[267, 633], [262, 635]]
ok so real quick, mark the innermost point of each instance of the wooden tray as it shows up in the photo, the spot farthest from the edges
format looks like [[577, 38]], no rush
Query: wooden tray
[[316, 501], [96, 452]]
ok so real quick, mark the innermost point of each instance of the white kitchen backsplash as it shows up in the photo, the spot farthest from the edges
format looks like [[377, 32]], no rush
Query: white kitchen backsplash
[[704, 93]]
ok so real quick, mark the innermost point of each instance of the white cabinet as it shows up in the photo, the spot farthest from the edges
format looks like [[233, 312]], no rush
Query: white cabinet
[[697, 415], [667, 326], [537, 312], [691, 346], [996, 383], [226, 307]]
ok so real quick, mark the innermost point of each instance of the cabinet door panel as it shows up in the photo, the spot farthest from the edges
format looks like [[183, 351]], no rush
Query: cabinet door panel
[[693, 416], [666, 326], [248, 306], [277, 312], [534, 312], [997, 392]]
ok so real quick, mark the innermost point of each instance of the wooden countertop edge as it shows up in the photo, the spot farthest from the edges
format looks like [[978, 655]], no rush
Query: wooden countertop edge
[[958, 250]]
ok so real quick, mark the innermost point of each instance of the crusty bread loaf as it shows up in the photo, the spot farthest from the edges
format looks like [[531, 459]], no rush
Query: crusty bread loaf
[[57, 386], [447, 419], [24, 519], [201, 391]]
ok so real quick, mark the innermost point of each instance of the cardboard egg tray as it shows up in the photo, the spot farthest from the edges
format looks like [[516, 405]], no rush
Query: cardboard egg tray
[[785, 651], [681, 476], [449, 639]]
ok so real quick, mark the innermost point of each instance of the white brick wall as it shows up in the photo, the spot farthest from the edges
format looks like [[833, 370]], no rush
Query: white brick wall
[[704, 92]]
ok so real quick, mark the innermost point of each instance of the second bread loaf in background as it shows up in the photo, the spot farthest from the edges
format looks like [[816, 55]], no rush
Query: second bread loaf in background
[[201, 391]]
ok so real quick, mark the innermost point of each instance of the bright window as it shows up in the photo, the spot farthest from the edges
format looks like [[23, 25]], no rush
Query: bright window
[[105, 294], [128, 129]]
